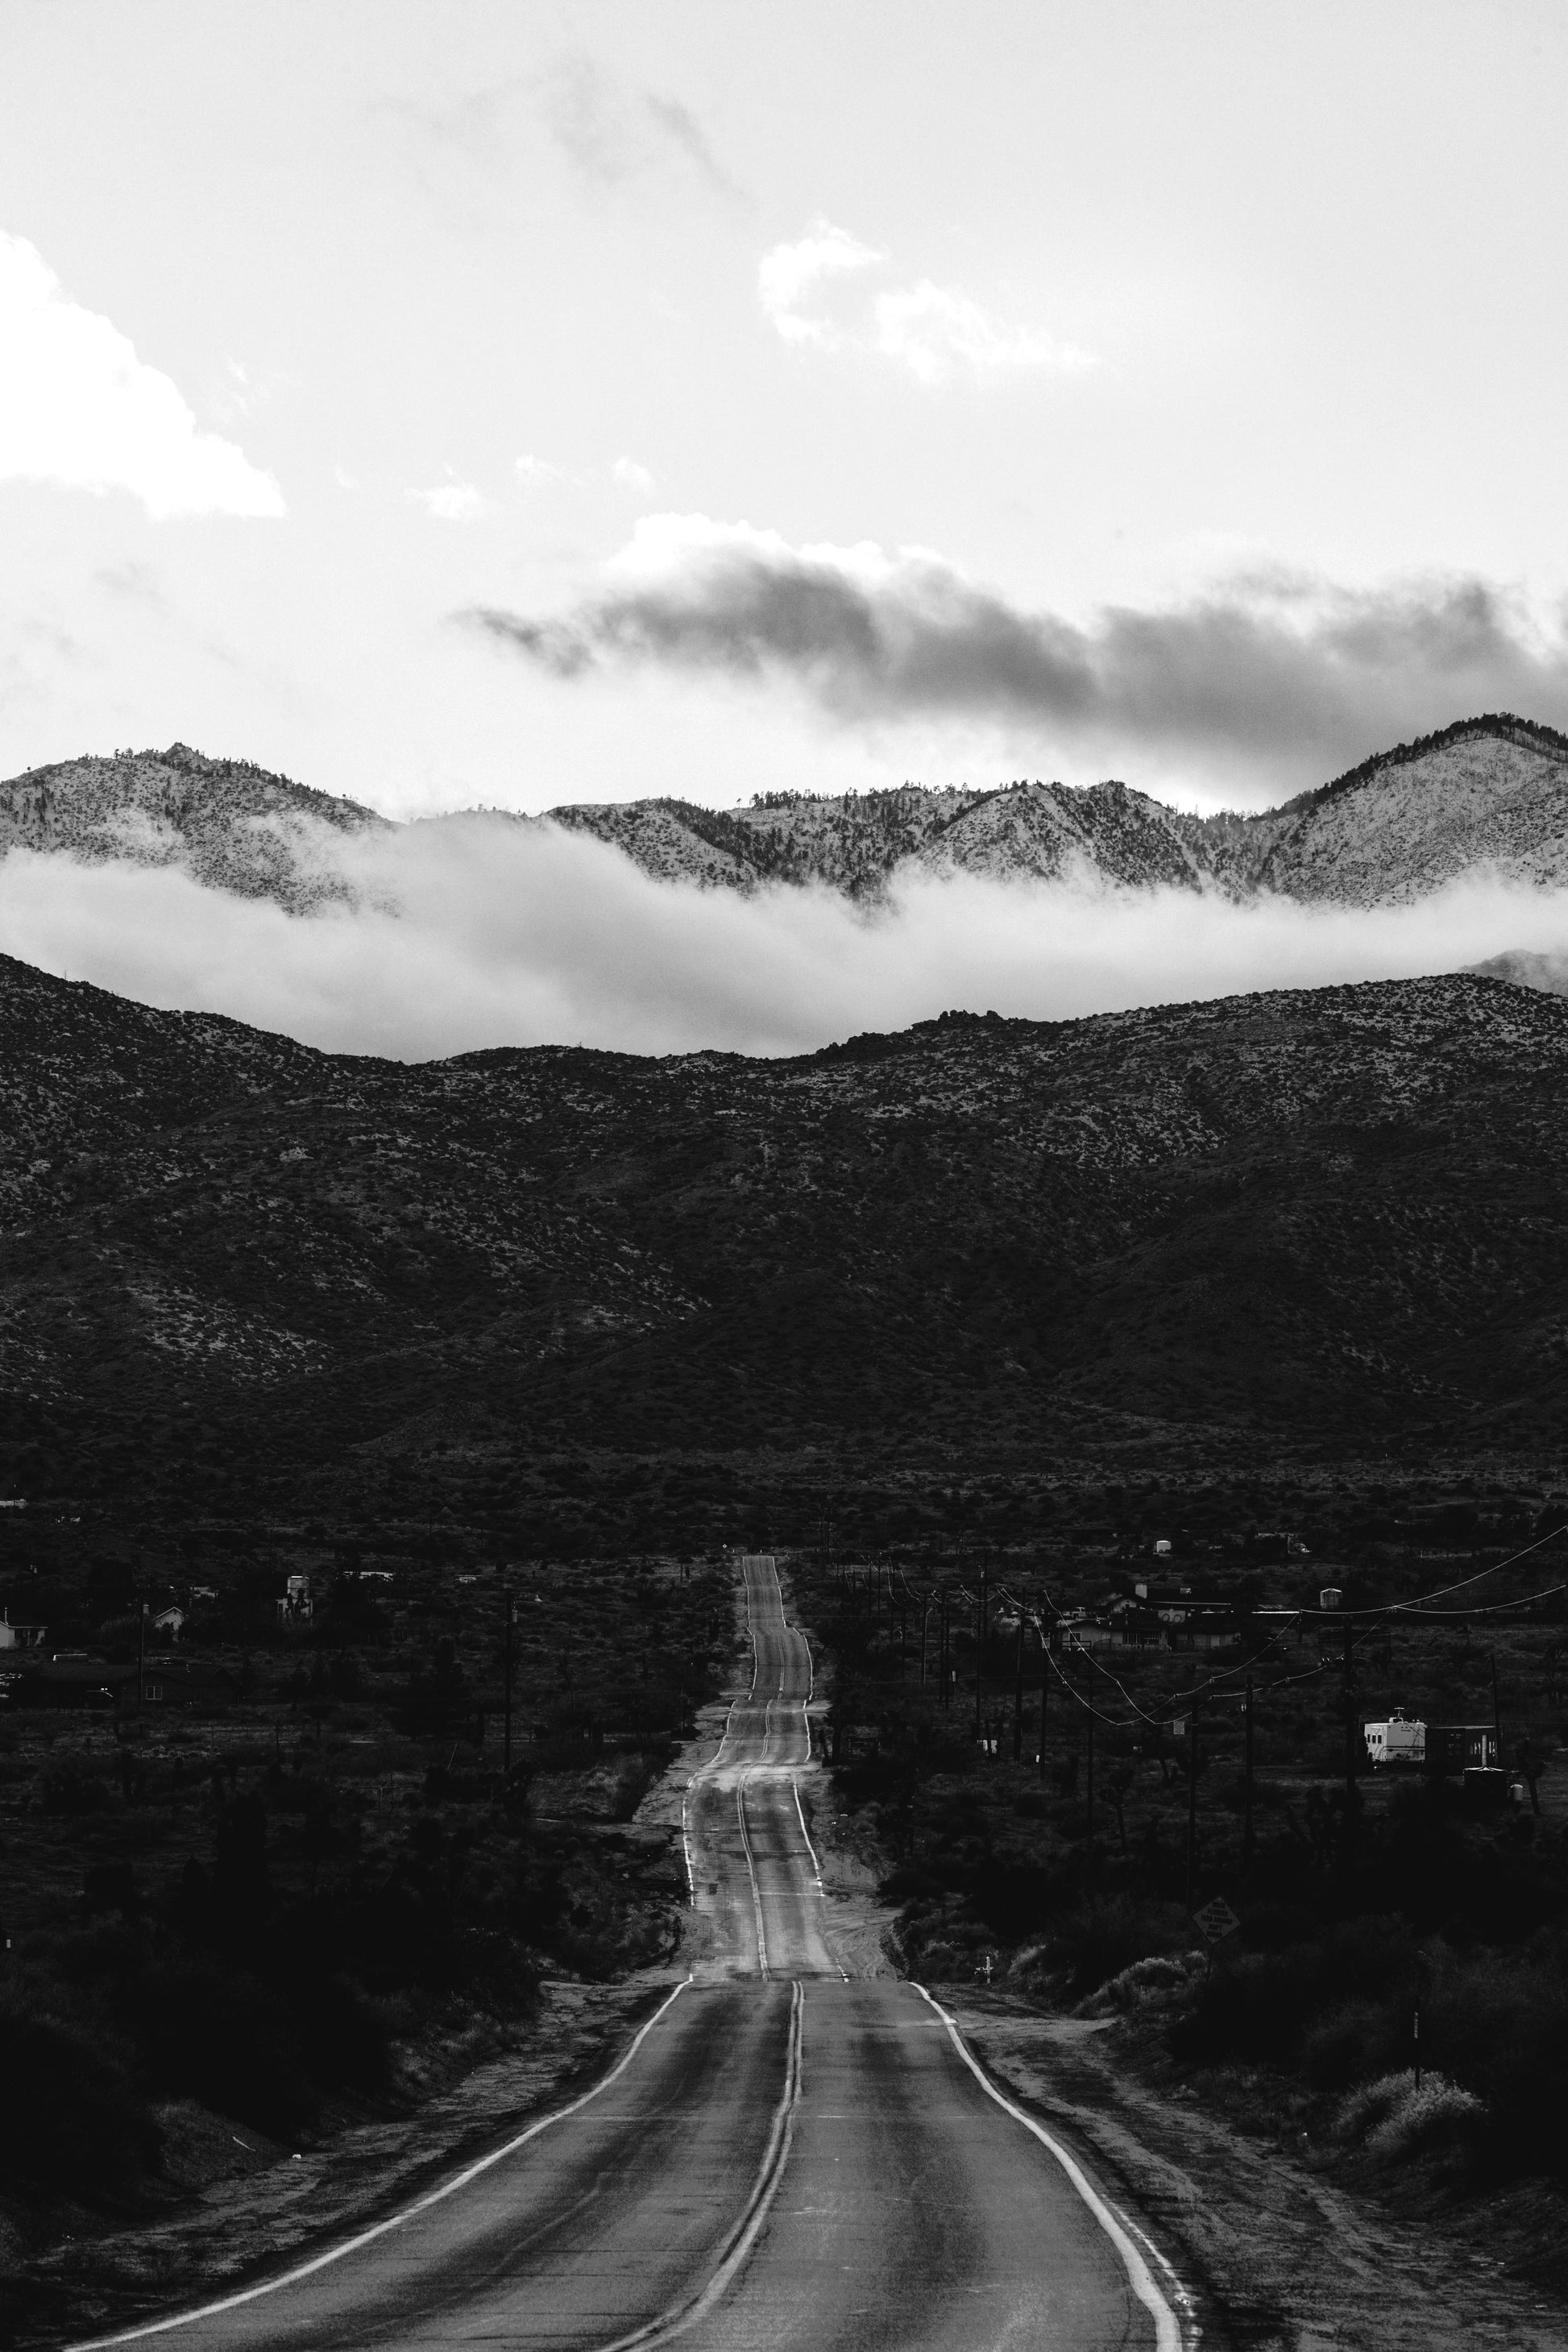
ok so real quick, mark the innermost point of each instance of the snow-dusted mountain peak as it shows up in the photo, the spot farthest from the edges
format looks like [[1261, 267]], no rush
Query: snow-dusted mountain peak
[[1486, 796]]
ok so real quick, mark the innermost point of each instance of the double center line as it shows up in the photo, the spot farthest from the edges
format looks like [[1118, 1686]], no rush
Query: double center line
[[737, 2247], [752, 1872]]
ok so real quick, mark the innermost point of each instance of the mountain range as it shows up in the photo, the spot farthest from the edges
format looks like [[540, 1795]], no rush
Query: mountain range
[[1486, 796], [237, 1273]]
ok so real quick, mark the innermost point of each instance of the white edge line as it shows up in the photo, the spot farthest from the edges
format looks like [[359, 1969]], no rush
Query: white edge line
[[712, 1766], [394, 2220], [1167, 2327], [751, 1870], [822, 1890], [806, 1835]]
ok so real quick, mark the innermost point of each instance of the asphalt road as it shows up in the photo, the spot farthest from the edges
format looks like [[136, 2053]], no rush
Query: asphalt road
[[783, 2159]]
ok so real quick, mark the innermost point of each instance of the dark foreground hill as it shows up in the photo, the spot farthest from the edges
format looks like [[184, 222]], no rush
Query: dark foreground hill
[[1295, 1227]]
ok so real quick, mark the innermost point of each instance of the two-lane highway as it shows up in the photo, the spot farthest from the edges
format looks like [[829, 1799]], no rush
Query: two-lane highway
[[783, 2161], [753, 1872]]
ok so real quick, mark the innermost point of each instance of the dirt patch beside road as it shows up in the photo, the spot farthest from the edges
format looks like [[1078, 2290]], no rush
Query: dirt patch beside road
[[1281, 2259]]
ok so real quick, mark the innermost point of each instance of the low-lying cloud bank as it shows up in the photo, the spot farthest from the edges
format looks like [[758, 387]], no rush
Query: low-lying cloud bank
[[1278, 680], [517, 934]]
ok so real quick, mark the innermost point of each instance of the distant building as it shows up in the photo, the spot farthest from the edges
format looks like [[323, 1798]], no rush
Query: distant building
[[170, 1621], [1174, 1617], [1090, 1634], [20, 1637]]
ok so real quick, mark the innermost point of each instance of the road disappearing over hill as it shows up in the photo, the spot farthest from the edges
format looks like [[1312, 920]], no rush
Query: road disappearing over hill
[[783, 2161]]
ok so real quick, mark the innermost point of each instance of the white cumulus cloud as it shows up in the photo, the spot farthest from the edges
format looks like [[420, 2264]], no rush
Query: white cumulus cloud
[[816, 293], [78, 408], [450, 501], [538, 473], [791, 280]]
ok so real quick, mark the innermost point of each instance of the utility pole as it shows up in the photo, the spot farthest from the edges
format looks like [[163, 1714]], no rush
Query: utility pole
[[1497, 1716], [1246, 1800], [1018, 1694], [979, 1661], [942, 1651], [506, 1688], [140, 1653], [1192, 1803], [1351, 1736], [1044, 1685], [1089, 1788], [925, 1621]]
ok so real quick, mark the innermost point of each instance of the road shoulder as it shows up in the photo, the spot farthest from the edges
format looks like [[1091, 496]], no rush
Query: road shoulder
[[1280, 2259]]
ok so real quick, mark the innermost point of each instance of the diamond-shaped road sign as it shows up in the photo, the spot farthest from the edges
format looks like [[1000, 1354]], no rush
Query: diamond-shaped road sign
[[1216, 1919]]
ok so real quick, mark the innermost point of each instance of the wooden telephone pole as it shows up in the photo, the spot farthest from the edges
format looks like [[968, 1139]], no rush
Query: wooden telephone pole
[[979, 1661], [506, 1690], [1192, 1803]]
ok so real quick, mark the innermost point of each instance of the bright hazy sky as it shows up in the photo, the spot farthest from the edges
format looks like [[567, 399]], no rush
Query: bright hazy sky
[[513, 404]]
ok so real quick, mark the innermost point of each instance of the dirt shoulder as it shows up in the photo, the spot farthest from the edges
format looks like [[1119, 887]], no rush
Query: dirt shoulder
[[267, 2204], [1279, 2258]]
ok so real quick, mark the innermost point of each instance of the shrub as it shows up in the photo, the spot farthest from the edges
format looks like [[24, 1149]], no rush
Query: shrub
[[1102, 1937], [1144, 1980], [1440, 2111], [79, 2125], [226, 2039], [1368, 2104], [1261, 2007], [943, 1962], [1348, 2043], [1394, 2120]]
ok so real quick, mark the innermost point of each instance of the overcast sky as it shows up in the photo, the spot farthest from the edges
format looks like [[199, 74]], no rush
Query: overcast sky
[[509, 404]]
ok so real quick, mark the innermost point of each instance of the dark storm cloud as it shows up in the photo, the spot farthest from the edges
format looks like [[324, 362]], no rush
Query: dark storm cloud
[[1282, 674]]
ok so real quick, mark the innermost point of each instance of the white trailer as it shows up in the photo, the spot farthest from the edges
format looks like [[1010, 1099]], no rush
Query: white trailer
[[1397, 1741]]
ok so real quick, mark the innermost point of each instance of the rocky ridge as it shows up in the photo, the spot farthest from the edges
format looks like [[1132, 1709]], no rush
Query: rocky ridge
[[1487, 797], [228, 823]]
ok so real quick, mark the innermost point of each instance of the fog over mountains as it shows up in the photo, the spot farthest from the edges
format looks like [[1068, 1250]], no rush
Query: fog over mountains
[[782, 923], [1487, 795]]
